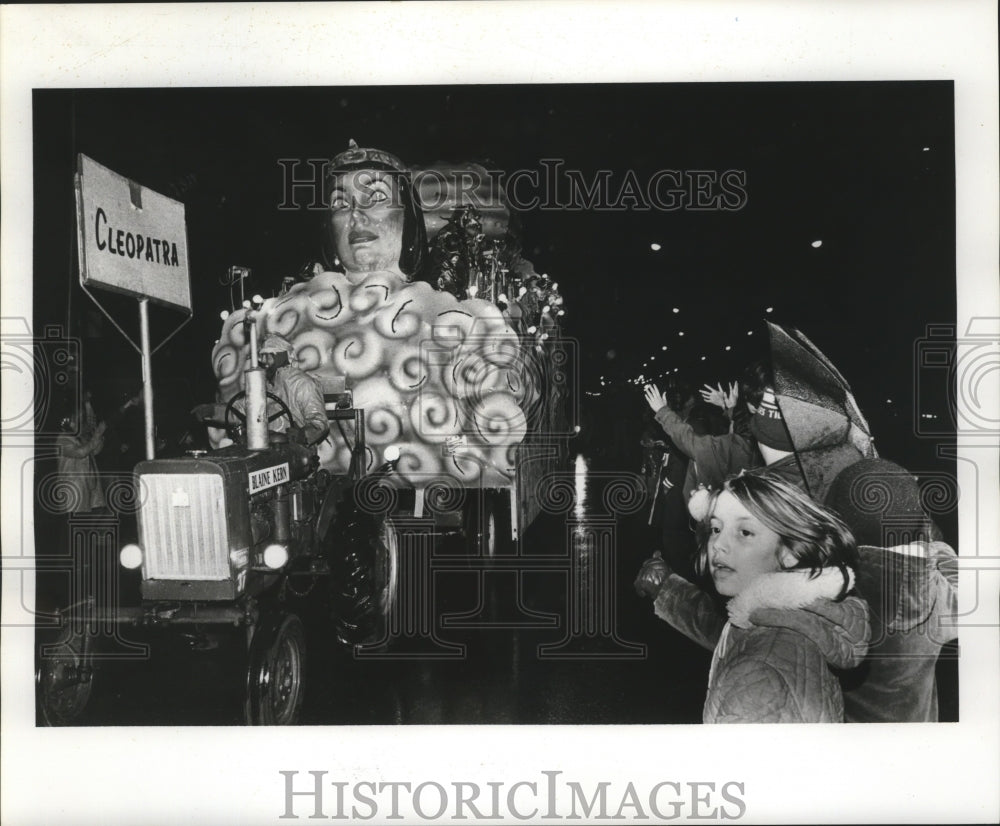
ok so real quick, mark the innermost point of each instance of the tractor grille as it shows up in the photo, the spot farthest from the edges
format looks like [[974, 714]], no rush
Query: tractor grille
[[183, 526]]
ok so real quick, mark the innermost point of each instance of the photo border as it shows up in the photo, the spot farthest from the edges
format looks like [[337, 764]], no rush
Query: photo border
[[877, 773]]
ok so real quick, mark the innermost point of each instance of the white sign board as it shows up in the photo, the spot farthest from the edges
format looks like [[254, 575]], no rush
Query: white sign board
[[131, 239], [268, 478]]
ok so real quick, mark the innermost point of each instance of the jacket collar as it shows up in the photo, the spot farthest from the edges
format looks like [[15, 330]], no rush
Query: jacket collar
[[786, 589]]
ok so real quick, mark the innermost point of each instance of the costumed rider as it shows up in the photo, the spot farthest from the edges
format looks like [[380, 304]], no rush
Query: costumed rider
[[297, 389]]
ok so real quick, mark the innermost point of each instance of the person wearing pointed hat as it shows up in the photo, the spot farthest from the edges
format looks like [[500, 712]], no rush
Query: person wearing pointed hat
[[300, 391], [374, 221]]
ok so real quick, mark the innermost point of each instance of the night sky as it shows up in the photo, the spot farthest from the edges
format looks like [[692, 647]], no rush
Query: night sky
[[865, 168]]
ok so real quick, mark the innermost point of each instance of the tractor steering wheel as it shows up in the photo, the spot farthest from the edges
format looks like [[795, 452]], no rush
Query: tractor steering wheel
[[232, 413]]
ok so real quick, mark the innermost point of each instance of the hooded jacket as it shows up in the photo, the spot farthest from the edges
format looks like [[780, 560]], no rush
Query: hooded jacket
[[772, 659], [911, 593]]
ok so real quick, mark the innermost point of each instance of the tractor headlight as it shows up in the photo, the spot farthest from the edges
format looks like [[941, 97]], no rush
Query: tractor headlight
[[130, 556], [275, 556]]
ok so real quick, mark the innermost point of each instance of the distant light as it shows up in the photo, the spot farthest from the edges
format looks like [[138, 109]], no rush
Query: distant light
[[769, 310], [675, 369], [652, 358], [677, 309], [817, 244], [664, 347], [728, 348], [927, 149], [576, 428], [681, 333], [749, 332], [655, 247], [888, 401], [703, 358]]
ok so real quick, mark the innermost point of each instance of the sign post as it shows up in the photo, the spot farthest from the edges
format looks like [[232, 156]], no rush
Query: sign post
[[147, 378], [132, 240]]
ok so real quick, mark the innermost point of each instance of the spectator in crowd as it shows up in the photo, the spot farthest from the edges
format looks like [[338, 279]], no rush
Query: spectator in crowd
[[78, 482], [786, 566], [909, 579], [715, 457]]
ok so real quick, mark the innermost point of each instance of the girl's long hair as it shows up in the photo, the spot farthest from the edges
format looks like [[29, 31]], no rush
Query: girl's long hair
[[814, 536]]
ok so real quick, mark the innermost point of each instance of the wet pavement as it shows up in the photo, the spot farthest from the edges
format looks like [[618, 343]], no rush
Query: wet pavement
[[548, 632]]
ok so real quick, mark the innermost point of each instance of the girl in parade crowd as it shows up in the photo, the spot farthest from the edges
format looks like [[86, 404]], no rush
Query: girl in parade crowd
[[786, 566]]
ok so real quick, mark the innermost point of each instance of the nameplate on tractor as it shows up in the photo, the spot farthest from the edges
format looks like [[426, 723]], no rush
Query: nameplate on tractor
[[268, 477]]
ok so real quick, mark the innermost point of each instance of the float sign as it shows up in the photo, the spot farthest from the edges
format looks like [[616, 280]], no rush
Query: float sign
[[131, 239]]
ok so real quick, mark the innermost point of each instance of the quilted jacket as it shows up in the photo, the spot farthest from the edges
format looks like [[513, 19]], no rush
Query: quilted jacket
[[773, 656]]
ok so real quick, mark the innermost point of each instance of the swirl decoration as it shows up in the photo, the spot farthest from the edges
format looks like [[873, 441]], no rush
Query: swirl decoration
[[397, 321], [383, 426], [408, 369], [61, 493], [499, 419], [422, 364], [451, 328], [374, 495], [939, 493], [556, 492], [372, 293], [466, 465], [358, 354], [313, 349], [417, 463], [624, 493], [225, 363], [327, 309], [443, 494], [871, 493], [503, 459], [434, 417], [284, 318], [125, 494], [472, 377]]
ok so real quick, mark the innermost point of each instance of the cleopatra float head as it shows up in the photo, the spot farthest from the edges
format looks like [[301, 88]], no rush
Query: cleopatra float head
[[374, 219]]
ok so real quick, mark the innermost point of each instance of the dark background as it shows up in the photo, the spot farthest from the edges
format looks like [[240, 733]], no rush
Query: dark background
[[867, 168]]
